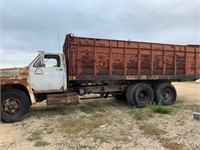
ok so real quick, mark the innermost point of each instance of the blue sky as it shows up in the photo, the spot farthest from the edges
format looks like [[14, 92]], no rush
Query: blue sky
[[28, 26]]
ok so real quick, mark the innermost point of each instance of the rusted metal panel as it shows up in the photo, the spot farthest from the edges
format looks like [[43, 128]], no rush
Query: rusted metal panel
[[90, 78], [67, 98], [17, 76], [90, 57]]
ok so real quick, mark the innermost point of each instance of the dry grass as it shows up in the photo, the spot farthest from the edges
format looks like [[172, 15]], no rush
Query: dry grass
[[92, 106], [138, 114], [148, 112], [100, 137], [34, 136], [87, 109], [151, 129], [73, 125], [141, 114]]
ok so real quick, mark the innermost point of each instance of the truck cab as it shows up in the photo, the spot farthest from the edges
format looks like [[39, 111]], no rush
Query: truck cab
[[44, 79]]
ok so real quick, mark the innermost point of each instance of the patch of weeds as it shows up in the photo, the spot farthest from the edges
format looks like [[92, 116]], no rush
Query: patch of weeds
[[40, 143], [100, 137], [121, 104], [123, 132], [141, 114], [73, 125], [162, 109], [95, 104], [34, 136], [63, 112], [151, 129], [87, 109]]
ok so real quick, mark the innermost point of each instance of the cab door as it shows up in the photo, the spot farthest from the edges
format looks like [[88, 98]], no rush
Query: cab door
[[47, 73]]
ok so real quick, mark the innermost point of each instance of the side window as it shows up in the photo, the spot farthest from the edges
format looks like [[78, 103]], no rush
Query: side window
[[49, 61], [52, 61]]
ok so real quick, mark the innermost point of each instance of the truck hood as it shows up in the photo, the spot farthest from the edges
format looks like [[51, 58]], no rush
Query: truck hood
[[14, 73]]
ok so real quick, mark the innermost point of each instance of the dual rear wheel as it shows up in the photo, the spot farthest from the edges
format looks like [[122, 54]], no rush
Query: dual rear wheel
[[142, 94], [165, 94]]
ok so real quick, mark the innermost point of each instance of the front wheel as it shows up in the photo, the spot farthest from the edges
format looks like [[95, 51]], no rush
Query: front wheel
[[14, 105]]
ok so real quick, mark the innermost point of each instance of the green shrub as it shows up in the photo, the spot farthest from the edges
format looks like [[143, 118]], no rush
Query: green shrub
[[162, 109]]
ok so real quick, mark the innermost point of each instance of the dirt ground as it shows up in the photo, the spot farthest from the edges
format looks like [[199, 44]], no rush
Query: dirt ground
[[108, 125]]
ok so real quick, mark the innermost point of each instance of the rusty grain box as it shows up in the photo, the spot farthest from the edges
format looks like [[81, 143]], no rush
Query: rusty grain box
[[105, 59]]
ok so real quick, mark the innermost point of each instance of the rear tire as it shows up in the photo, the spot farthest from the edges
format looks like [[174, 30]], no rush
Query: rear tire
[[166, 94], [154, 90], [129, 94], [14, 105], [143, 95]]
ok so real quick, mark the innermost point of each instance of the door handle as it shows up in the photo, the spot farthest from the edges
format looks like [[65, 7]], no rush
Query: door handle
[[60, 69]]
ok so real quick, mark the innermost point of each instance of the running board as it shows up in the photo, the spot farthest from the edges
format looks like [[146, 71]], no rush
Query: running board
[[66, 98]]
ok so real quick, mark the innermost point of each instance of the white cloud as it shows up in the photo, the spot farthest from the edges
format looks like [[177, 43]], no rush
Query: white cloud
[[16, 58]]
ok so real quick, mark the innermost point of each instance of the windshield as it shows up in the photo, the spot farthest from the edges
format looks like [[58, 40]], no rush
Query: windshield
[[38, 56]]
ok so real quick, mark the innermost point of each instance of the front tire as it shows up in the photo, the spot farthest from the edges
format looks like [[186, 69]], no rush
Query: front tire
[[14, 105]]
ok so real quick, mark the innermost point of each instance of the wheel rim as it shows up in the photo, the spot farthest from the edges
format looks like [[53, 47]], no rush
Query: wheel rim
[[143, 96], [11, 105], [167, 94]]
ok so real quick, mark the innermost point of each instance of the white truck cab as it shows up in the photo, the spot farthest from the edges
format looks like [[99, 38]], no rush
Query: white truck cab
[[44, 79]]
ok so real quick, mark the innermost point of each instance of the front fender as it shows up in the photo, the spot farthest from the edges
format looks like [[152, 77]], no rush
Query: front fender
[[19, 83]]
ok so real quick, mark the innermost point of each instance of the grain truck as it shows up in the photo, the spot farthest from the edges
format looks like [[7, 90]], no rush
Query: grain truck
[[138, 72]]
